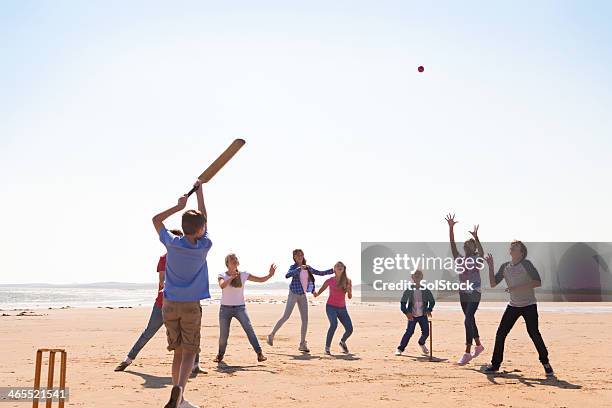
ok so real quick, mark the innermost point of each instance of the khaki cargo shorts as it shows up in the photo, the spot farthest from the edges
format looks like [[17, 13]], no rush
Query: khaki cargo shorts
[[183, 321]]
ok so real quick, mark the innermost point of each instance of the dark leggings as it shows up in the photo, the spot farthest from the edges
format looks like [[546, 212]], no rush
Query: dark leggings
[[511, 315], [469, 304]]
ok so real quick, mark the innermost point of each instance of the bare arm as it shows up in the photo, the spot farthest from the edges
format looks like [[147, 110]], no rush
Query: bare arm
[[224, 282], [491, 264], [321, 289], [478, 244], [349, 289], [200, 196], [263, 278], [158, 220], [451, 231], [162, 278]]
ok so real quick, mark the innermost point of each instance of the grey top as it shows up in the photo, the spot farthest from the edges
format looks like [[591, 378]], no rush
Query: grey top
[[517, 275]]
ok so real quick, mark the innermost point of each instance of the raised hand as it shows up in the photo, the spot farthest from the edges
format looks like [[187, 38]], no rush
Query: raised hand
[[197, 184], [451, 220], [489, 259], [475, 232], [272, 270], [182, 201]]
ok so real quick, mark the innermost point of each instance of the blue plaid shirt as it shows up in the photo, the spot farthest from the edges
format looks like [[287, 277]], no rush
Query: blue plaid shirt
[[296, 286]]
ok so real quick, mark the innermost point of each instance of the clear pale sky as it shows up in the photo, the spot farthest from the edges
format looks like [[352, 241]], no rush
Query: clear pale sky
[[110, 109]]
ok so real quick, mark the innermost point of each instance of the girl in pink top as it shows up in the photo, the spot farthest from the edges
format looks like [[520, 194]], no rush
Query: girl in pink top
[[340, 286]]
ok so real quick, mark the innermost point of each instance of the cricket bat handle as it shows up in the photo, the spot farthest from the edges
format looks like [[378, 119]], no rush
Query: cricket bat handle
[[193, 190]]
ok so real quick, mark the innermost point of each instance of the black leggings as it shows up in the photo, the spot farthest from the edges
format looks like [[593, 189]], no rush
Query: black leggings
[[469, 304], [511, 315]]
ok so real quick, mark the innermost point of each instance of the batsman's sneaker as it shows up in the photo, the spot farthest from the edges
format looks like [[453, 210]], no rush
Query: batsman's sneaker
[[398, 352]]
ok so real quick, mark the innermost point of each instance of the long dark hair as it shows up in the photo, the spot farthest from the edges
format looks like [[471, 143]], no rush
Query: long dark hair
[[236, 282], [298, 251], [342, 282]]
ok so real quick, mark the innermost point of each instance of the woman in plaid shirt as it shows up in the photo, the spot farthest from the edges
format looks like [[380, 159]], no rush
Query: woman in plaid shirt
[[302, 282]]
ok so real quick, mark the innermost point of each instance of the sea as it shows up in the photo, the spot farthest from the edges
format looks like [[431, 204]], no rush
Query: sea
[[121, 295]]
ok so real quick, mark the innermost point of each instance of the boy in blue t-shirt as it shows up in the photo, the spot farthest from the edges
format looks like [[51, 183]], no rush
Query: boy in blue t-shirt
[[186, 283]]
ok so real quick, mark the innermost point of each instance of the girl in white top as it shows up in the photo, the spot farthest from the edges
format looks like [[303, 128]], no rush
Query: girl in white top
[[233, 305]]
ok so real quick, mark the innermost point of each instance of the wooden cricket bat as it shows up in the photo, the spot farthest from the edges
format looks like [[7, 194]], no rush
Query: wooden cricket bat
[[214, 168]]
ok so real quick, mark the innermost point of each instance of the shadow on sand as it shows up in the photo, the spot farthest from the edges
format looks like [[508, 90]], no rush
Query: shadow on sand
[[530, 382], [425, 359], [152, 381], [301, 356], [347, 357], [224, 368]]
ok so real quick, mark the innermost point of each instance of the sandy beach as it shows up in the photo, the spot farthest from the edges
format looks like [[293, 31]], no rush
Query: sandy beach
[[97, 339]]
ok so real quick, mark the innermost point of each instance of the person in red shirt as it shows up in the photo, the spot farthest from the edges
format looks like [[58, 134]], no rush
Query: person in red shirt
[[340, 287], [156, 320]]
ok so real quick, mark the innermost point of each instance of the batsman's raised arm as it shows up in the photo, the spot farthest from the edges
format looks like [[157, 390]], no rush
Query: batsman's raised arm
[[200, 195], [158, 220]]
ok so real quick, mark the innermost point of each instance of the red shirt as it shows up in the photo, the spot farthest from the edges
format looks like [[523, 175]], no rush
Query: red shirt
[[161, 267], [336, 295]]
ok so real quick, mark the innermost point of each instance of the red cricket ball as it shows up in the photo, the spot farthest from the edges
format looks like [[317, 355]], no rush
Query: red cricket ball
[[421, 69]]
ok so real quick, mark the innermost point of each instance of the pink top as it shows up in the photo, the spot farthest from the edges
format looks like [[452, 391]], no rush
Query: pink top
[[336, 295], [304, 280]]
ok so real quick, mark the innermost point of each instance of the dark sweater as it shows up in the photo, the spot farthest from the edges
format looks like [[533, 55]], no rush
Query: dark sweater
[[408, 297]]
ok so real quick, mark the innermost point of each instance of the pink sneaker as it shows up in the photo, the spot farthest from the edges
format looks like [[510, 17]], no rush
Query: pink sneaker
[[465, 359], [477, 351]]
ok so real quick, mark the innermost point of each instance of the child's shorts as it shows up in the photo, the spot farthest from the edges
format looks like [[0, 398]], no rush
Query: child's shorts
[[183, 321]]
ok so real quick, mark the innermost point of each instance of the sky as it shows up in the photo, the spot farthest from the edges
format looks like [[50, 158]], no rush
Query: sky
[[109, 110]]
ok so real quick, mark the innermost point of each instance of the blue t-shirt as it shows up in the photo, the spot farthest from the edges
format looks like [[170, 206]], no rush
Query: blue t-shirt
[[186, 268]]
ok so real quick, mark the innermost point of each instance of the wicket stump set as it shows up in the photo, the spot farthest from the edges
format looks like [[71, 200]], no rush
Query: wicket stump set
[[62, 381]]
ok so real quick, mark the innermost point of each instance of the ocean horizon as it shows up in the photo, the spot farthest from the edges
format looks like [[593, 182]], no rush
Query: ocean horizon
[[16, 297]]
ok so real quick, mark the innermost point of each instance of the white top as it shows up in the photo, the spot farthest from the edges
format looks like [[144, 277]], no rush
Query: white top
[[231, 296], [417, 303]]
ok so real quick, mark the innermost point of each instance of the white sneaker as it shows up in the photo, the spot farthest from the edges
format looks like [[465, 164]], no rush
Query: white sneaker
[[398, 352], [465, 359], [424, 349], [187, 404], [477, 351]]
